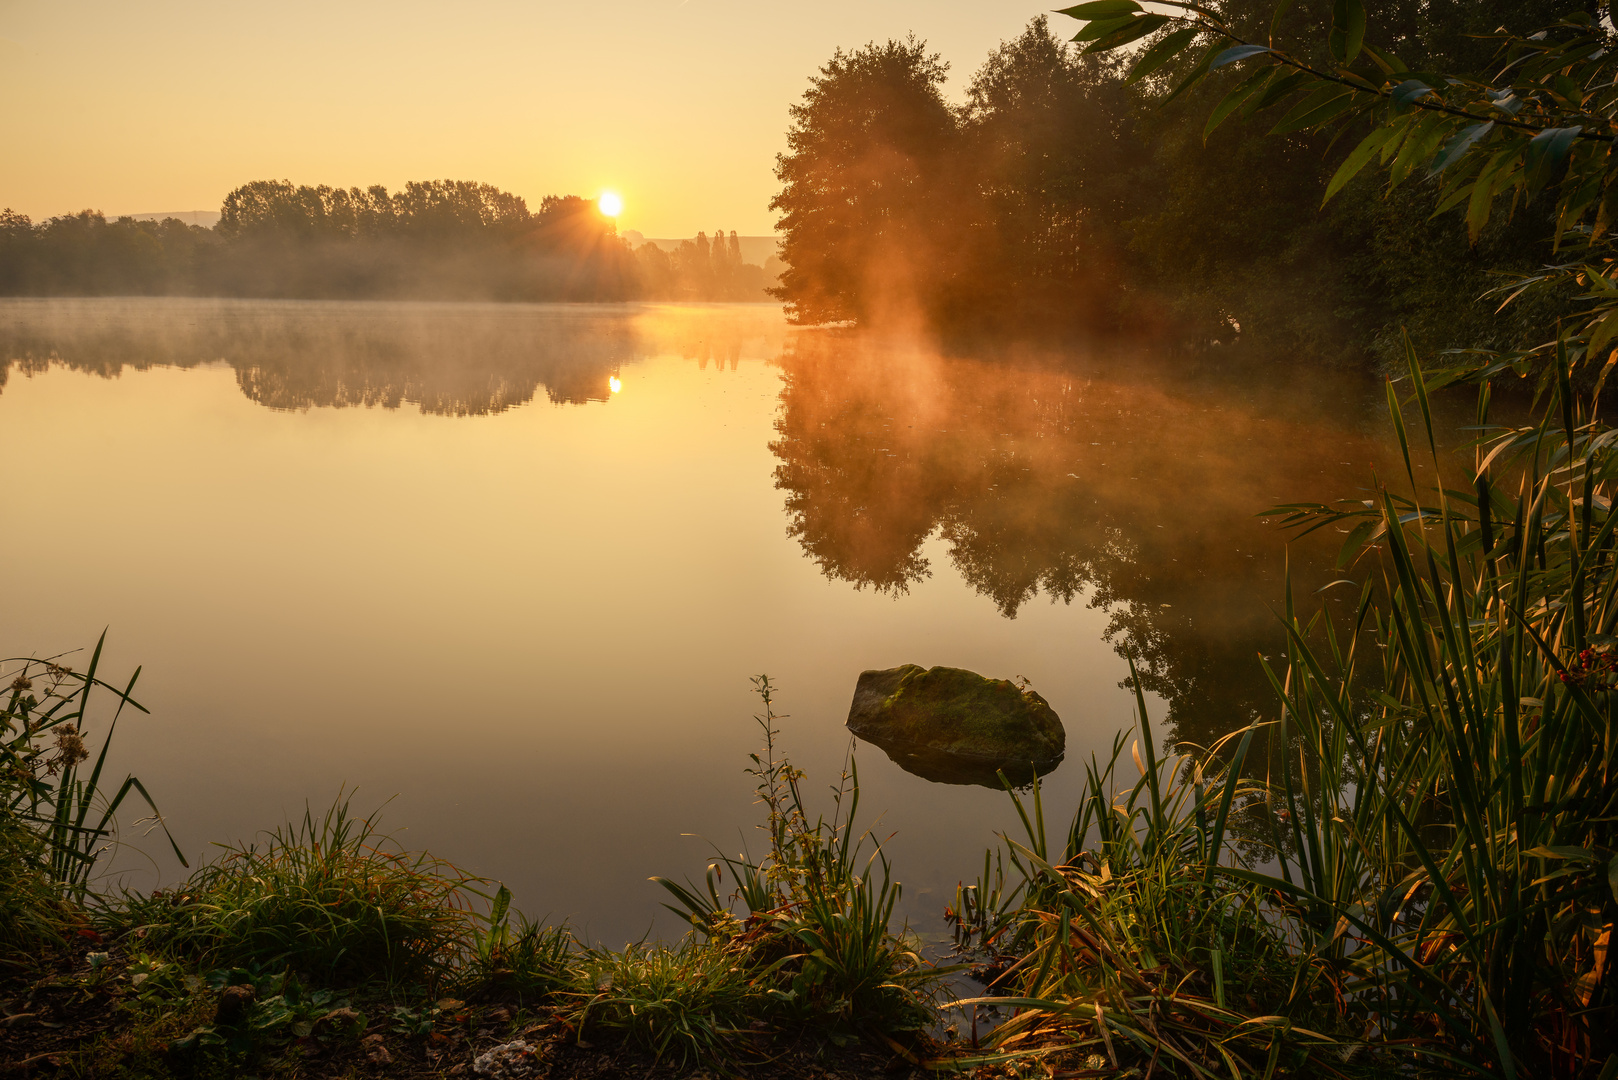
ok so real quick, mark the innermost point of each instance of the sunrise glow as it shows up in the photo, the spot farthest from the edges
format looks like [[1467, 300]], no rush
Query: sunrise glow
[[610, 204]]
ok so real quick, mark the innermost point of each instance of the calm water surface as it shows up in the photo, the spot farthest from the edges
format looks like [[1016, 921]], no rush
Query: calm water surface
[[512, 566]]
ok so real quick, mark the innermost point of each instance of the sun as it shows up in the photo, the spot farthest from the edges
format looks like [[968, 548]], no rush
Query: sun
[[610, 204]]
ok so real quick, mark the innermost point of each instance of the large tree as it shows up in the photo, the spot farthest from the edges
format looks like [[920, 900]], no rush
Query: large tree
[[863, 183], [1049, 137]]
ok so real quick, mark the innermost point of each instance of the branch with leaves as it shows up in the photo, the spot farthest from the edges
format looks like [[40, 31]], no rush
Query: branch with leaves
[[1548, 115]]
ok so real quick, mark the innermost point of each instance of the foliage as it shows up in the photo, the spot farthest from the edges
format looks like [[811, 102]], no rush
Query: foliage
[[440, 239], [33, 916], [699, 270], [689, 1002], [1074, 187], [816, 945], [1445, 869], [1127, 941], [862, 182], [1443, 877], [330, 898], [529, 961], [65, 818], [279, 1010]]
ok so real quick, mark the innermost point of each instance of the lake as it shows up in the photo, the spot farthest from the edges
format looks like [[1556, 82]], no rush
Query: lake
[[508, 569]]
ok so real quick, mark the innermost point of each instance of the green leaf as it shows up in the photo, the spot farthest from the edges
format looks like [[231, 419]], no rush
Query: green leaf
[[1138, 27], [1102, 27], [1161, 52], [1459, 144], [1314, 110], [1356, 160], [1482, 200], [1192, 79], [1545, 151], [1390, 64], [1232, 100], [1562, 852], [1420, 144], [1275, 20], [1606, 327], [1100, 9], [1347, 30], [1409, 90], [1279, 86], [1236, 55]]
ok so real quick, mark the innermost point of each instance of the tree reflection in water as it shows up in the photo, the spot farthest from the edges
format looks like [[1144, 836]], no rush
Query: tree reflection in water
[[1131, 481], [446, 359]]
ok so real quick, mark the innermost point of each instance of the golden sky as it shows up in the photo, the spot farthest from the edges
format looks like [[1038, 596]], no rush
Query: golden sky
[[679, 105]]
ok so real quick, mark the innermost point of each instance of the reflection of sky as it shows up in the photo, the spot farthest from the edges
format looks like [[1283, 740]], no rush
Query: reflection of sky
[[536, 626]]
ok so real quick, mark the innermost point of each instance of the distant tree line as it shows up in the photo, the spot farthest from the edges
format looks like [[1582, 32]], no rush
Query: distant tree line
[[1059, 190], [441, 239], [700, 270]]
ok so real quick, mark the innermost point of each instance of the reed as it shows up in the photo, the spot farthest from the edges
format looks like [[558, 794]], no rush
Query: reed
[[1441, 880], [43, 784]]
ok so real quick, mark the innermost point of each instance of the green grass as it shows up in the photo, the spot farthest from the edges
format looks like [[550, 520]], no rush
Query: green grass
[[818, 926], [329, 897], [57, 820], [690, 1002]]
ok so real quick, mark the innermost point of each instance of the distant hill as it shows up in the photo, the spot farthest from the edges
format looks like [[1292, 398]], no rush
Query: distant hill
[[755, 249], [206, 218]]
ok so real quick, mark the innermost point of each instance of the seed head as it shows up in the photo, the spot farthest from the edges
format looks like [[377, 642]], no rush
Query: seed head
[[21, 683], [70, 748]]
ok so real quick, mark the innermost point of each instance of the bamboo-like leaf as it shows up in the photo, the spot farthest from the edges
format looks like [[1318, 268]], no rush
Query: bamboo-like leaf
[[1316, 109], [1161, 52], [1347, 30], [1459, 144], [1357, 159], [1236, 54], [1137, 28], [1100, 9], [1247, 87]]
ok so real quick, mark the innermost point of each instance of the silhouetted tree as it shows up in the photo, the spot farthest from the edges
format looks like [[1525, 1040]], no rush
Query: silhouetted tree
[[1049, 134], [861, 185]]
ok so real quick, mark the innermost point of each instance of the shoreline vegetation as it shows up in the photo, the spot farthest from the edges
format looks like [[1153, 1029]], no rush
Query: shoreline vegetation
[[430, 240], [1423, 882]]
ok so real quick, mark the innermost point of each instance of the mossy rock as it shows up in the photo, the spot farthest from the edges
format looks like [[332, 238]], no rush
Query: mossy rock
[[959, 714]]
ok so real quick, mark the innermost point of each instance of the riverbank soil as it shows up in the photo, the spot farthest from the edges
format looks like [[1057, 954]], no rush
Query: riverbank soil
[[112, 1011]]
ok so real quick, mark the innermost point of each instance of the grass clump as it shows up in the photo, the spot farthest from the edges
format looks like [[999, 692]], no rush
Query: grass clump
[[330, 898], [526, 962], [686, 1002], [815, 948]]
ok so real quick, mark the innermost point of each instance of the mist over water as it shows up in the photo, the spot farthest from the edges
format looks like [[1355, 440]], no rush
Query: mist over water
[[512, 565]]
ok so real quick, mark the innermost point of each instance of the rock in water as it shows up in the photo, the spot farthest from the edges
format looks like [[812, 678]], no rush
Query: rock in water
[[953, 716]]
